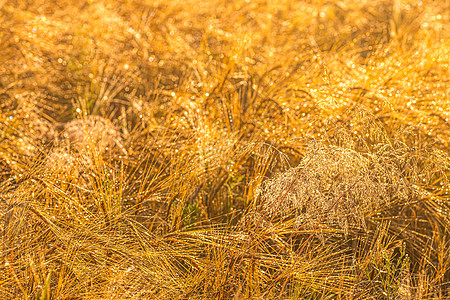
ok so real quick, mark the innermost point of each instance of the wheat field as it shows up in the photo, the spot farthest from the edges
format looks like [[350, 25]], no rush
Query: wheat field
[[224, 149]]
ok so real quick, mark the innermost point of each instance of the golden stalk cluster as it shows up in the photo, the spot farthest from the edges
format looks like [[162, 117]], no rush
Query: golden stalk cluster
[[240, 149]]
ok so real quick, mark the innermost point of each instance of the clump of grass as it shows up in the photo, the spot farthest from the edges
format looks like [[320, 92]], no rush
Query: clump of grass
[[332, 182], [344, 185], [91, 131]]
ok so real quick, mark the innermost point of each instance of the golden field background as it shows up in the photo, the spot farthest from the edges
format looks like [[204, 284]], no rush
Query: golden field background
[[253, 149]]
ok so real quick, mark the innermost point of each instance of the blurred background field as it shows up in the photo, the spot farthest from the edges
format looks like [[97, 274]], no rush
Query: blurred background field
[[240, 149]]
